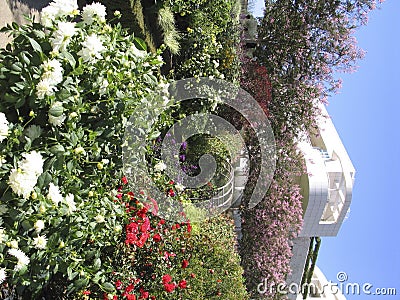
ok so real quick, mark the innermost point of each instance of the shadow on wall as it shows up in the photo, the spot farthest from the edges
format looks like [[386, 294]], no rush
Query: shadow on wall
[[30, 4], [14, 11]]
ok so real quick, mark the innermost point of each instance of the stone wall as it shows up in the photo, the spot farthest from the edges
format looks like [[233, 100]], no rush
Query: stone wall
[[14, 11]]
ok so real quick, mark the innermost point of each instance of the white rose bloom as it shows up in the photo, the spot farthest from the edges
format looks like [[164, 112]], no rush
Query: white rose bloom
[[160, 166], [69, 200], [3, 275], [39, 225], [40, 242], [3, 126], [62, 36], [23, 260], [91, 49], [44, 88], [92, 11], [57, 121], [54, 194]]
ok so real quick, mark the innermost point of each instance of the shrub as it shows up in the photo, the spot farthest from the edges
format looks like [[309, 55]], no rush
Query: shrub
[[66, 89]]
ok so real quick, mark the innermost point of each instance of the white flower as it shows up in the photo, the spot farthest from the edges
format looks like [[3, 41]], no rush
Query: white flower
[[57, 121], [3, 275], [160, 166], [14, 244], [94, 11], [103, 87], [23, 260], [32, 164], [23, 180], [99, 219], [39, 225], [54, 194], [40, 242], [62, 36], [69, 200], [53, 71], [56, 9], [79, 150], [2, 160], [179, 187], [45, 88], [3, 126], [48, 15], [2, 235], [91, 48], [22, 184], [138, 53]]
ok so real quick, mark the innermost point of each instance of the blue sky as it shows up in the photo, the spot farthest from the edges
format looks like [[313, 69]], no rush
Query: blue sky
[[366, 114]]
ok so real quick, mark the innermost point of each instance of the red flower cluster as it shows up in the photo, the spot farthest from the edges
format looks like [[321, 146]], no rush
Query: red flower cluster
[[150, 236]]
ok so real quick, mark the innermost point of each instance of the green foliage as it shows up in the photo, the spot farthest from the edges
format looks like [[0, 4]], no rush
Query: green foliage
[[66, 99], [166, 20], [210, 37]]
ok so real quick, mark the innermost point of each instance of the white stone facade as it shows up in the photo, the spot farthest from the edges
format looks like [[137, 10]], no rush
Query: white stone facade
[[327, 191]]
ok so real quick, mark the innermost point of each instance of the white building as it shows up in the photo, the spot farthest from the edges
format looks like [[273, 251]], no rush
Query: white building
[[327, 190], [321, 288]]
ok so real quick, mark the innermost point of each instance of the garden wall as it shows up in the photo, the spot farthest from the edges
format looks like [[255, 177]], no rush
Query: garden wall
[[14, 11]]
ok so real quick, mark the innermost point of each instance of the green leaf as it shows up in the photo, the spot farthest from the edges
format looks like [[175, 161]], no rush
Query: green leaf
[[56, 110], [81, 283], [97, 263], [44, 180], [140, 44], [69, 57], [57, 150], [108, 287], [35, 45]]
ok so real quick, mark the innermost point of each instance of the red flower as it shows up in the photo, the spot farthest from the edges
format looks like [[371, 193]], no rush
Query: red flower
[[171, 182], [124, 180], [157, 237], [182, 284], [118, 284], [142, 213], [146, 225], [86, 292], [140, 243], [130, 297], [131, 195], [171, 193], [166, 278], [129, 288], [192, 275], [185, 263], [169, 287], [143, 293], [189, 227]]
